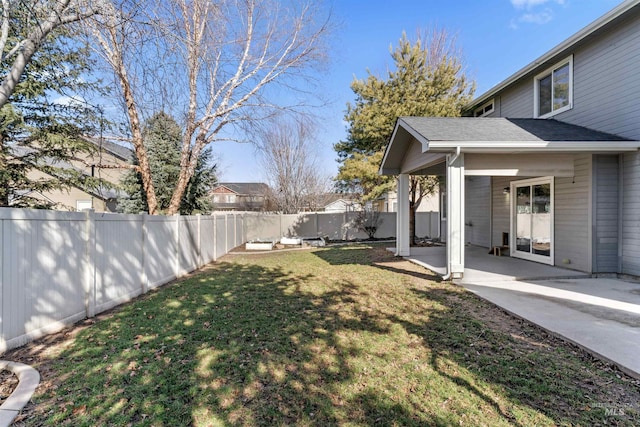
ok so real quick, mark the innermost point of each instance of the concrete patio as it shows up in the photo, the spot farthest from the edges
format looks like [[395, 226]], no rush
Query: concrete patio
[[480, 266], [601, 315]]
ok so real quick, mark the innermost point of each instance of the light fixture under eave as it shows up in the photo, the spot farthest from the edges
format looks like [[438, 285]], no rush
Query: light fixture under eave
[[505, 190]]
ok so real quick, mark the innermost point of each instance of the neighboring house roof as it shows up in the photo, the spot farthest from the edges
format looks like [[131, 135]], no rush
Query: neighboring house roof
[[328, 198], [245, 188], [494, 135], [117, 150], [582, 36], [101, 191]]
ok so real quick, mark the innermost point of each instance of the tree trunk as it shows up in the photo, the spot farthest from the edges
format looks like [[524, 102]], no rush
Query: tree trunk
[[138, 141], [188, 164], [412, 224]]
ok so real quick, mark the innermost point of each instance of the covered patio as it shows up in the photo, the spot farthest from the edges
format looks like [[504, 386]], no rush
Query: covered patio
[[480, 266], [531, 162]]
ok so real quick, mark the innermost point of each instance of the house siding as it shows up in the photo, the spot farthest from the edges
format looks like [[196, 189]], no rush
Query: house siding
[[605, 205], [478, 210], [572, 222], [500, 209], [606, 87], [605, 83], [517, 101], [630, 186]]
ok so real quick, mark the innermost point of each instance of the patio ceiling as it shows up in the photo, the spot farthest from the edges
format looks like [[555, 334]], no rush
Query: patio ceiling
[[420, 144]]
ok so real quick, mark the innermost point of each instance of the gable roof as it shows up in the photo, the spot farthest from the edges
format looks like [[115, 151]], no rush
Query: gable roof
[[246, 188], [494, 135], [563, 49]]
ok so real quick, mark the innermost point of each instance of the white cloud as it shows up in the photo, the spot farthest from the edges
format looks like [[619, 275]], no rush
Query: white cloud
[[537, 18], [69, 101], [530, 4]]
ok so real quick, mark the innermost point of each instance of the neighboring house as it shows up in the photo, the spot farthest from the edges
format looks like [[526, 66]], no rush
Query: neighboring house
[[429, 203], [547, 161], [240, 196], [107, 161], [339, 202]]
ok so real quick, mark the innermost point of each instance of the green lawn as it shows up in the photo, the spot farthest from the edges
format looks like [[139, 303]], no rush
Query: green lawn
[[339, 336]]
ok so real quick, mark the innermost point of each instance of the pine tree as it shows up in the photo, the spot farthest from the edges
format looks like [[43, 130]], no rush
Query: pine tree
[[37, 133], [428, 80], [162, 140]]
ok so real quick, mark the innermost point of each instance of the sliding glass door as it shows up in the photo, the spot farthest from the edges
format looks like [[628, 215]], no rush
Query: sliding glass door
[[532, 219]]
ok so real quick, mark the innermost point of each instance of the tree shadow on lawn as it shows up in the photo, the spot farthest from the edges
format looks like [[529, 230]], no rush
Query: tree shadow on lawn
[[520, 361], [234, 345], [250, 344]]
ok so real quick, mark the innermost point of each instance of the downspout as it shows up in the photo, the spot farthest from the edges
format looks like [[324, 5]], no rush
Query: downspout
[[449, 161]]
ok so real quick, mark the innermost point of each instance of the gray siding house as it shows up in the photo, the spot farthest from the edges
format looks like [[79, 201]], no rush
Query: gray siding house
[[547, 161]]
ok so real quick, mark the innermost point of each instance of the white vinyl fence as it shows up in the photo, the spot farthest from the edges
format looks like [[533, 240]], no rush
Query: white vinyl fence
[[334, 225], [59, 267]]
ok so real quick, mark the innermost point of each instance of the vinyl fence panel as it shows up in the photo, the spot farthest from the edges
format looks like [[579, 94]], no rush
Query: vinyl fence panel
[[41, 274], [59, 267], [118, 259]]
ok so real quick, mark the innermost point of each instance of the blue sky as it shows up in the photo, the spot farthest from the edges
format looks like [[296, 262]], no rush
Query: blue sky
[[497, 37]]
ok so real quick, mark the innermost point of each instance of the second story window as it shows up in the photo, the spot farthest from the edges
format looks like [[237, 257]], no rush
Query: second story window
[[485, 109], [553, 89]]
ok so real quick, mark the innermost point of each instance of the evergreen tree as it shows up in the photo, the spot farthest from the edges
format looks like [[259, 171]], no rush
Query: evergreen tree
[[162, 140], [35, 131], [428, 80]]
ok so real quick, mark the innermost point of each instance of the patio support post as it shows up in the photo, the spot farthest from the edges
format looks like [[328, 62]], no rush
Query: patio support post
[[455, 215], [402, 219]]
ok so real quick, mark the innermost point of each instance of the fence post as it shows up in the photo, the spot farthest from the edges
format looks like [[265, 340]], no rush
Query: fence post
[[345, 225], [215, 237], [143, 277], [177, 240], [200, 263], [235, 230], [226, 233], [244, 228], [90, 265]]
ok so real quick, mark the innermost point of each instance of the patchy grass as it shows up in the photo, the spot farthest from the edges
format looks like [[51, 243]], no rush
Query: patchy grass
[[339, 336]]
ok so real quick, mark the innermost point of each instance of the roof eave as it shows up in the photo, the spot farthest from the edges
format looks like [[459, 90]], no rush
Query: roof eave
[[534, 146], [395, 140]]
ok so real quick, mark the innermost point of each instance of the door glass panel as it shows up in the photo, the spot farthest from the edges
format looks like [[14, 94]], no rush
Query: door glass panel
[[541, 220], [523, 219]]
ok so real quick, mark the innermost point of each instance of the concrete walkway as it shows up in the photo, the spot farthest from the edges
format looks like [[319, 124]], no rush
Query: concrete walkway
[[598, 314], [28, 380]]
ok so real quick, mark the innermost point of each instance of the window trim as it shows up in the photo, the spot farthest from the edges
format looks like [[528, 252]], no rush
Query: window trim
[[536, 89], [483, 106], [83, 201]]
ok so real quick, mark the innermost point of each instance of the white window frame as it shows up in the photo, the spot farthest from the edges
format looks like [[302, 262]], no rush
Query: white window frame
[[482, 108], [83, 202], [536, 89], [550, 260]]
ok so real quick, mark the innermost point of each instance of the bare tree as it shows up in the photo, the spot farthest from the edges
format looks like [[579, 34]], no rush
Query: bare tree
[[119, 34], [289, 161], [18, 45], [218, 58]]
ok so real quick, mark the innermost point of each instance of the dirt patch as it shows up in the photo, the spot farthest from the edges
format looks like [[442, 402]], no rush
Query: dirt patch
[[8, 383]]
